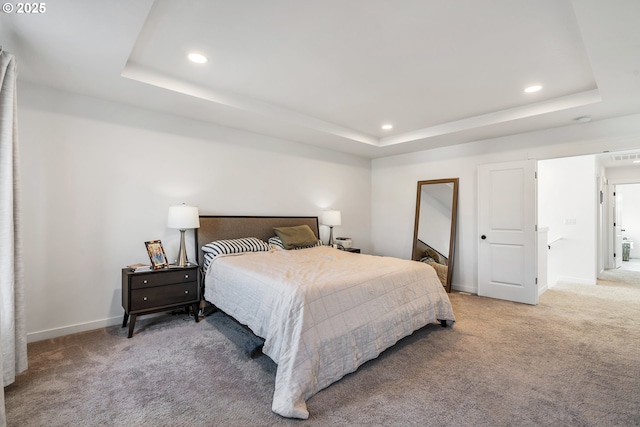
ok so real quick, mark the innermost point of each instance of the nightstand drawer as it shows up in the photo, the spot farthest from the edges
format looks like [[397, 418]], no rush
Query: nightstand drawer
[[148, 280], [147, 298]]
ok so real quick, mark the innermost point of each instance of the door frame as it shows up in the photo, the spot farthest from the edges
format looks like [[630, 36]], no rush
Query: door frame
[[610, 228]]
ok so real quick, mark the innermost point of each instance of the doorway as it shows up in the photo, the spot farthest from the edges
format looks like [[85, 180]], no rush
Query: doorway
[[627, 225], [580, 216], [568, 208]]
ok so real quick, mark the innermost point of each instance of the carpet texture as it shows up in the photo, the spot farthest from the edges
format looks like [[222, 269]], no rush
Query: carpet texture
[[572, 360]]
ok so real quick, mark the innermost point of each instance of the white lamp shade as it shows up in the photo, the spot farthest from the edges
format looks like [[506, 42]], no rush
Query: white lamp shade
[[183, 217], [331, 218]]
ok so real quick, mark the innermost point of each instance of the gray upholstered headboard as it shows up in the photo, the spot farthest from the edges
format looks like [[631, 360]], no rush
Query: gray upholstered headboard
[[233, 227]]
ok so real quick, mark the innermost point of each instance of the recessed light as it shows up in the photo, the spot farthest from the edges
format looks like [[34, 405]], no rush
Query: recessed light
[[532, 89], [197, 58], [387, 126]]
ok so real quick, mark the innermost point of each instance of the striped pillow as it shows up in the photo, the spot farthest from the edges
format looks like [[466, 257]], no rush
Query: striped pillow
[[232, 246], [207, 260], [276, 243]]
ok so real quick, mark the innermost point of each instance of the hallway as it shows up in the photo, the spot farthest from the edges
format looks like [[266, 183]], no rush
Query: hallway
[[632, 265], [627, 276]]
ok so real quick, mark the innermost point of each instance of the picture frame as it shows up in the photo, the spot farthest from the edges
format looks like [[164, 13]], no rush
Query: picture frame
[[156, 254]]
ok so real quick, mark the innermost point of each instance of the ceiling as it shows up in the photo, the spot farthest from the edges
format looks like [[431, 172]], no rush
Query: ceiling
[[332, 72]]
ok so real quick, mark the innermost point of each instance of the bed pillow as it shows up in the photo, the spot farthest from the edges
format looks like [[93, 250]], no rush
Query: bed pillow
[[207, 261], [296, 237], [430, 253], [232, 246], [276, 243]]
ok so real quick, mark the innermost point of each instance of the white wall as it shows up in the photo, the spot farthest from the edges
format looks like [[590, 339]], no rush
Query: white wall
[[393, 203], [625, 174], [394, 181], [567, 203], [98, 178]]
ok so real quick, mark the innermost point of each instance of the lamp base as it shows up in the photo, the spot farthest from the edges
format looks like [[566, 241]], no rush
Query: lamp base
[[331, 242], [182, 260]]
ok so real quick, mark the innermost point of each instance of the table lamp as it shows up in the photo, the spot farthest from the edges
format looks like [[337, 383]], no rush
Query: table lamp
[[331, 218], [183, 218]]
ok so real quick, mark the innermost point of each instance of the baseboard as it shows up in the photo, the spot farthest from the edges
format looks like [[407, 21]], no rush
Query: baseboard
[[72, 329], [474, 291], [465, 288], [575, 280], [542, 289], [82, 327]]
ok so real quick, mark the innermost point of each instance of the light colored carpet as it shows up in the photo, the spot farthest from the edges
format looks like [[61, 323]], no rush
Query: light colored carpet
[[573, 360]]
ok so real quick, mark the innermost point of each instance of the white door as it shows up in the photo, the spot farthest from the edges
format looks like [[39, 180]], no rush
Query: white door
[[617, 253], [617, 229], [507, 231]]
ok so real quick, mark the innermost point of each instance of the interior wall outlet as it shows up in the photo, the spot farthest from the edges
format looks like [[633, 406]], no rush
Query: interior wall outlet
[[570, 221]]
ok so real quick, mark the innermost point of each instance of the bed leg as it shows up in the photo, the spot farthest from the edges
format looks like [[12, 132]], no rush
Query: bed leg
[[209, 310], [196, 314], [443, 323], [256, 352]]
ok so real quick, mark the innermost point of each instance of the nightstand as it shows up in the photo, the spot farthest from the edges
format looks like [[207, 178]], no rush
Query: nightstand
[[158, 290], [354, 250]]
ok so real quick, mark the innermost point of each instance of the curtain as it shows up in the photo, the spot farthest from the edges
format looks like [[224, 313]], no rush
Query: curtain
[[13, 334]]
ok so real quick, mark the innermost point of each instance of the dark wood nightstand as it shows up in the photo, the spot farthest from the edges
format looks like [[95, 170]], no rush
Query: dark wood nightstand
[[158, 290], [354, 250]]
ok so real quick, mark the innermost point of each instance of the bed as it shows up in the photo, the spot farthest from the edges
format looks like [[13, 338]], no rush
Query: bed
[[322, 312]]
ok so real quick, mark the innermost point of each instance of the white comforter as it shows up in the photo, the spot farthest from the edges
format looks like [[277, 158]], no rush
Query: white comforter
[[324, 312]]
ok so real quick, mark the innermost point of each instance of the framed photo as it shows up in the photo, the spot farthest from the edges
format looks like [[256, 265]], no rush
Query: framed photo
[[156, 254]]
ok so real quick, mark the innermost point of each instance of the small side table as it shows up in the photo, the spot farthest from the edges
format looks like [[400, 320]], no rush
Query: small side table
[[158, 290]]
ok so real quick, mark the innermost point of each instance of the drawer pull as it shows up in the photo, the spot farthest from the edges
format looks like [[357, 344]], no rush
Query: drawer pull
[[144, 281], [144, 299], [186, 276], [186, 292]]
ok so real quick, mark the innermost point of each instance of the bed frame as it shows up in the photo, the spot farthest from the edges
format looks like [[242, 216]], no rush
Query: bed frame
[[233, 227]]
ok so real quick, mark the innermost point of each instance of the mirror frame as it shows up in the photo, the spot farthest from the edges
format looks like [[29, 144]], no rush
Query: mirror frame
[[454, 221]]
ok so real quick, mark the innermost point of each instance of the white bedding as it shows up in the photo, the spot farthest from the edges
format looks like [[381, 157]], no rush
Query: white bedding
[[323, 312]]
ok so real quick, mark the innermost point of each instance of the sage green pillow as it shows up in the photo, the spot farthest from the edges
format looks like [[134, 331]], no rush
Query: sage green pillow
[[297, 236]]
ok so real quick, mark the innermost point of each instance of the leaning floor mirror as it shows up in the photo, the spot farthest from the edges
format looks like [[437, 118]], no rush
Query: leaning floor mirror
[[435, 226]]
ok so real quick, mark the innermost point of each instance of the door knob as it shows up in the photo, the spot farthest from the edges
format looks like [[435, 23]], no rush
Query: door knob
[[483, 237]]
